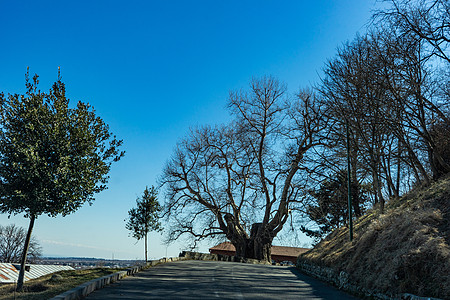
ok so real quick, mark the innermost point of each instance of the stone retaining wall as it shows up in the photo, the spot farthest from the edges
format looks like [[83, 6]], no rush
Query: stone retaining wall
[[341, 281]]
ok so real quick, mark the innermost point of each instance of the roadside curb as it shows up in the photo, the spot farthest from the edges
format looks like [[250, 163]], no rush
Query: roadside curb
[[86, 288]]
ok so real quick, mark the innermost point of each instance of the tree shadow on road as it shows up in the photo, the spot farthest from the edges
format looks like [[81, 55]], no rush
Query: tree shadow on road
[[320, 288]]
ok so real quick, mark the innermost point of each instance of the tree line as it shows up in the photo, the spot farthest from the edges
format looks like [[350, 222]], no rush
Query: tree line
[[285, 154]]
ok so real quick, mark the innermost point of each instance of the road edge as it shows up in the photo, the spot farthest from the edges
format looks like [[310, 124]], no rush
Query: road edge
[[86, 288]]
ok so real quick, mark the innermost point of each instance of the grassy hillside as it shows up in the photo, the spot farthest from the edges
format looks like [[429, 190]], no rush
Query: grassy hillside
[[404, 250]]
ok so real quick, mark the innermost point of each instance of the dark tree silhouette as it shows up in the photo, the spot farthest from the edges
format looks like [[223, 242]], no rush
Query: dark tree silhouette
[[243, 179], [12, 240]]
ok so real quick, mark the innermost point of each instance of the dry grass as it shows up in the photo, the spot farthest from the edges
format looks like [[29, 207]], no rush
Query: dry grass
[[44, 288], [404, 250]]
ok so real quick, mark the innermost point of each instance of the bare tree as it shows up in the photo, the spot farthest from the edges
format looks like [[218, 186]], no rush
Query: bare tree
[[429, 20], [384, 86], [412, 76], [242, 179], [354, 93], [12, 239], [392, 87]]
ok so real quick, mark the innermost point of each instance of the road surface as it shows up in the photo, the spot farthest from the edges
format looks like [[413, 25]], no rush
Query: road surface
[[193, 279]]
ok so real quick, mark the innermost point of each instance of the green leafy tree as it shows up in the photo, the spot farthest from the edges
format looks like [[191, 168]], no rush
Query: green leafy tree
[[145, 216], [53, 158], [329, 206]]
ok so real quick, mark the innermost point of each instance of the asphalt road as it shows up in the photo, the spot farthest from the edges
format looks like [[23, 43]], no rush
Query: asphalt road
[[218, 280]]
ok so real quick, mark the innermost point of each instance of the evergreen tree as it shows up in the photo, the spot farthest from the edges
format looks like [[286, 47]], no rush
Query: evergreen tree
[[329, 206], [53, 158], [144, 217]]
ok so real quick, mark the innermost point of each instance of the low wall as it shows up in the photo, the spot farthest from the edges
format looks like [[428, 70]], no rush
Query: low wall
[[85, 289], [341, 281], [220, 257]]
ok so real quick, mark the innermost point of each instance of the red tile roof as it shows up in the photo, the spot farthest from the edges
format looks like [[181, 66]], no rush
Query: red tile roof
[[225, 246], [288, 251]]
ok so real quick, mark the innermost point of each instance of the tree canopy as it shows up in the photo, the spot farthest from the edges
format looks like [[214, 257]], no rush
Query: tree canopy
[[328, 205], [53, 158], [145, 216], [391, 86]]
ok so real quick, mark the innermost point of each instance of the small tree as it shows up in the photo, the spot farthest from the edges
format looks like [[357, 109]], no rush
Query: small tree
[[12, 239], [329, 204], [53, 158], [144, 218]]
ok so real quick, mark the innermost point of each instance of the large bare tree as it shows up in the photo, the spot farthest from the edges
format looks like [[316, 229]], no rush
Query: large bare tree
[[354, 94], [384, 86], [422, 34], [242, 179]]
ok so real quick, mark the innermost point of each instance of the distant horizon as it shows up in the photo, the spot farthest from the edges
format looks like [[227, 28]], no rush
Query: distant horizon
[[87, 258]]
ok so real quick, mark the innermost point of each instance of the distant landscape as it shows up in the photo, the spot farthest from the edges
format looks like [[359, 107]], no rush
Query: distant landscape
[[85, 262]]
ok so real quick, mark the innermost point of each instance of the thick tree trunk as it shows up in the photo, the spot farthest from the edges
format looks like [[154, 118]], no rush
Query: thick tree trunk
[[24, 254], [262, 251], [242, 247], [254, 249], [258, 246], [438, 166], [262, 242], [356, 203]]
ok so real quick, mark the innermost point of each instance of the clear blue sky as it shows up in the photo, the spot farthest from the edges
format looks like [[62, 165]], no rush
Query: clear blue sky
[[152, 69]]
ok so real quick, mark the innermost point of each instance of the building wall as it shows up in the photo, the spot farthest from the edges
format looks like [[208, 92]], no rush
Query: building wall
[[275, 258], [279, 258], [222, 252]]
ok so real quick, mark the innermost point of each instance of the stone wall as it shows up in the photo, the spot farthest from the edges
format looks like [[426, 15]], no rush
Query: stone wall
[[220, 257], [341, 281]]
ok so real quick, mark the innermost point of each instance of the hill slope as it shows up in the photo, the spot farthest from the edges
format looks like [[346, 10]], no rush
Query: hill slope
[[405, 250]]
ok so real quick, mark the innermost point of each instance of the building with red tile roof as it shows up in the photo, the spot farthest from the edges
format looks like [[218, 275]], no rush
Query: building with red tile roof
[[279, 253]]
